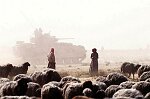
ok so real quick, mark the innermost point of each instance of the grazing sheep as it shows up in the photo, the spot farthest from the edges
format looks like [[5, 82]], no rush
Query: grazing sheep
[[4, 80], [142, 69], [45, 76], [19, 76], [19, 69], [144, 76], [127, 84], [142, 86], [87, 92], [129, 68], [115, 79], [14, 88], [5, 70], [127, 93], [69, 79], [50, 91], [33, 89], [72, 90], [111, 90]]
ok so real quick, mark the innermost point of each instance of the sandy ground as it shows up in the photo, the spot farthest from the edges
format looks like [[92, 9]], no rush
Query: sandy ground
[[78, 70]]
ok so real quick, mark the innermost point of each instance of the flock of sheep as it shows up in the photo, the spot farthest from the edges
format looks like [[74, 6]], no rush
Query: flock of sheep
[[48, 84]]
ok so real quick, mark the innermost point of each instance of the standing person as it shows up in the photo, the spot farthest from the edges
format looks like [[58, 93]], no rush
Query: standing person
[[94, 62], [51, 59]]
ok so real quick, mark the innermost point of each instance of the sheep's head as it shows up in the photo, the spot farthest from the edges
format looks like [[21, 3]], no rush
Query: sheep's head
[[26, 64], [21, 86], [9, 66]]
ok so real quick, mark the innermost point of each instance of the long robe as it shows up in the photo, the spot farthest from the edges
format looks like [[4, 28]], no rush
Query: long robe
[[94, 64], [51, 59]]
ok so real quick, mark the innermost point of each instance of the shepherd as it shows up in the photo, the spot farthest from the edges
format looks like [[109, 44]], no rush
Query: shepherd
[[94, 63], [51, 59]]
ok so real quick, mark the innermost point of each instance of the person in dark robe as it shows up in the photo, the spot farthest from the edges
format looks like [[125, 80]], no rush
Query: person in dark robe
[[94, 62], [51, 59]]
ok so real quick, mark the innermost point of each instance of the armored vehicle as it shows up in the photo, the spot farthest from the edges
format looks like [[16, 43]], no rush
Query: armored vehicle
[[37, 49]]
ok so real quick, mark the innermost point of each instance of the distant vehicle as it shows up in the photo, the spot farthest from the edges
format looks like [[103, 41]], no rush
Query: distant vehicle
[[39, 46]]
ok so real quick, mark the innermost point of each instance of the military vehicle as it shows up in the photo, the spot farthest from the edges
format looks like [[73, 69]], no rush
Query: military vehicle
[[37, 49]]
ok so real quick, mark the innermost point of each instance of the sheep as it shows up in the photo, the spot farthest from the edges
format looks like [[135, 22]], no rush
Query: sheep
[[142, 69], [87, 92], [19, 69], [100, 94], [142, 86], [19, 76], [45, 76], [14, 88], [4, 80], [127, 93], [115, 79], [144, 76], [50, 91], [127, 84], [70, 78], [111, 90], [72, 90], [33, 89], [129, 68], [5, 70]]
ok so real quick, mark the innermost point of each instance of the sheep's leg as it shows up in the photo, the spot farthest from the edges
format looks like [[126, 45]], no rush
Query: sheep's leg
[[133, 75]]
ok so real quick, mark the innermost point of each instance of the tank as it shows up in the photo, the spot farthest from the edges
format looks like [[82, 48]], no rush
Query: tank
[[37, 49]]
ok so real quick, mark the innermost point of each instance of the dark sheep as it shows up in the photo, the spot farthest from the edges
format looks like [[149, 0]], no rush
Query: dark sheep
[[87, 92], [127, 93], [69, 79], [33, 89], [111, 90], [129, 68], [14, 88], [100, 94], [5, 70], [72, 90], [50, 91], [144, 76], [19, 69], [142, 86], [127, 84], [45, 76], [19, 76], [115, 79], [87, 84], [142, 69]]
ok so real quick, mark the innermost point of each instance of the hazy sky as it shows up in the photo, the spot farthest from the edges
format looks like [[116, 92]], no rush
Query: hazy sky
[[113, 24]]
